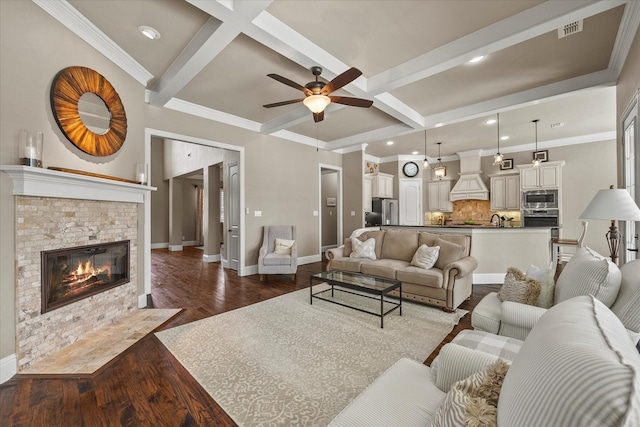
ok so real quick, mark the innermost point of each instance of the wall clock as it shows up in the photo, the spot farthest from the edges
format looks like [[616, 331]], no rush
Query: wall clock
[[88, 111], [410, 169]]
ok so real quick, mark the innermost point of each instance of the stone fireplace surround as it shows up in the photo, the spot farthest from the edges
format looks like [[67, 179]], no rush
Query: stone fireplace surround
[[57, 210]]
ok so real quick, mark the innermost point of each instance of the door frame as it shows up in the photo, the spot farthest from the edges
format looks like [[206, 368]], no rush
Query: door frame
[[340, 231], [630, 117], [146, 237]]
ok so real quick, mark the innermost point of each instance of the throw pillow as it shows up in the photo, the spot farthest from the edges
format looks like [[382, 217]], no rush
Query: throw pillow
[[473, 401], [366, 249], [519, 288], [589, 273], [283, 246], [449, 252], [547, 284], [425, 257]]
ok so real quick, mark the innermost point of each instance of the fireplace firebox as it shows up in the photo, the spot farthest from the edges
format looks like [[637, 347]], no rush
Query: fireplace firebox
[[71, 274]]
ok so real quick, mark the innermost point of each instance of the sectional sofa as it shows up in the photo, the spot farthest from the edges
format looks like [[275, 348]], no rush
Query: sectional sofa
[[447, 284]]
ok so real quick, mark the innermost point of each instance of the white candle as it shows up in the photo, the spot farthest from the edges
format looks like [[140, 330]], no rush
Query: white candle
[[141, 178], [29, 152]]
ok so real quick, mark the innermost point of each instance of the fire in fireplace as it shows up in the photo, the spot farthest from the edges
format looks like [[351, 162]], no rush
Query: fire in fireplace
[[71, 274]]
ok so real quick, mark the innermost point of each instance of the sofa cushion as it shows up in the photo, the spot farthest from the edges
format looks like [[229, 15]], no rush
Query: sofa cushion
[[588, 273], [473, 401], [519, 288], [425, 256], [349, 264], [577, 367], [401, 396], [378, 235], [410, 274], [364, 249], [399, 244], [383, 268], [449, 252]]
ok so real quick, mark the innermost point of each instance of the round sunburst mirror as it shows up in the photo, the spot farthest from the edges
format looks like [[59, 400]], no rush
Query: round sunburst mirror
[[88, 111]]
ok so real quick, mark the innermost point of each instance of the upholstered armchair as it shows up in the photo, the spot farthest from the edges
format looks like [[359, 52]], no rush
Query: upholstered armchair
[[585, 273], [279, 251]]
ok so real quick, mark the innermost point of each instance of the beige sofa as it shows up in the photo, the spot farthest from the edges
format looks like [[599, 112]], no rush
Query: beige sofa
[[577, 367], [445, 285]]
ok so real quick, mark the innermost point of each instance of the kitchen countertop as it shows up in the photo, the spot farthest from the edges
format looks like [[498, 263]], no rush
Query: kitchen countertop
[[469, 226]]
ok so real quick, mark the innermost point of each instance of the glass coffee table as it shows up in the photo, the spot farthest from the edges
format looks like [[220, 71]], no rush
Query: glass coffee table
[[342, 281]]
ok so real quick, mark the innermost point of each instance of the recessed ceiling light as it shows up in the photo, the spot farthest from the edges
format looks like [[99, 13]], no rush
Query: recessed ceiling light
[[414, 152], [504, 138], [476, 59], [149, 32], [437, 125], [389, 142], [490, 121]]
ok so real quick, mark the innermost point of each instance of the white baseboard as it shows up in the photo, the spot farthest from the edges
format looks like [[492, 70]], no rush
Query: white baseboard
[[160, 245], [488, 278], [211, 258], [143, 300], [165, 245], [8, 367], [175, 248], [309, 259]]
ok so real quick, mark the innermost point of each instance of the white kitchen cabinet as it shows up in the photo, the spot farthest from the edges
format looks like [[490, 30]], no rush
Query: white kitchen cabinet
[[547, 175], [382, 185], [439, 200], [368, 191], [505, 192]]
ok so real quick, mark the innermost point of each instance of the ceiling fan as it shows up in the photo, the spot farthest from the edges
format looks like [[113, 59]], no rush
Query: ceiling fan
[[318, 92]]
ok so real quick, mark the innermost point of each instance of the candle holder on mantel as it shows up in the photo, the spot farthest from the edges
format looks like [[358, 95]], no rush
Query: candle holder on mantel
[[30, 148], [142, 174]]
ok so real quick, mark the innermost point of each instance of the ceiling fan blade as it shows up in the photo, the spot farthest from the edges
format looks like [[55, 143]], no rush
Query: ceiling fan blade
[[354, 102], [280, 104], [290, 83], [318, 117], [343, 79]]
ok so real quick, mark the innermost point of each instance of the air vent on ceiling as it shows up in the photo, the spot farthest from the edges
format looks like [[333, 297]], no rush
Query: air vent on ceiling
[[557, 125], [568, 29]]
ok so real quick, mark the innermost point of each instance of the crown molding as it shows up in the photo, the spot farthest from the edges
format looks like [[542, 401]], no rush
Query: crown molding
[[628, 28], [69, 16]]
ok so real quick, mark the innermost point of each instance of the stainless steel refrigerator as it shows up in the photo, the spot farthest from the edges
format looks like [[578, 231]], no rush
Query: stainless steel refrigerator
[[387, 210]]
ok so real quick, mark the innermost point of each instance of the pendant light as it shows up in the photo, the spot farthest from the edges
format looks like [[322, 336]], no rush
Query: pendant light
[[440, 170], [536, 160], [498, 159], [425, 163]]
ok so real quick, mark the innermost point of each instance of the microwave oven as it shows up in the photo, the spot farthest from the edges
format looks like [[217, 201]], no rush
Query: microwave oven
[[540, 199]]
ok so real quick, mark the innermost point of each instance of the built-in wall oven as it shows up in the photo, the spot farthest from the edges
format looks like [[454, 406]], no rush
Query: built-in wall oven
[[541, 218], [540, 199]]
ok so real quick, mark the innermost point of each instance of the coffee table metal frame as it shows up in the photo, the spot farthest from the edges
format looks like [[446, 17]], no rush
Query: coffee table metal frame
[[359, 282]]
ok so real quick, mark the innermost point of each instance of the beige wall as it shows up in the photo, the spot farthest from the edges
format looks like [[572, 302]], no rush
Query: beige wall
[[160, 197], [329, 186], [353, 186], [627, 87]]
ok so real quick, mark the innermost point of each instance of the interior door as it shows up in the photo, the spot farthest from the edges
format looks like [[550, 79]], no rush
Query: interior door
[[233, 231], [631, 166], [411, 202]]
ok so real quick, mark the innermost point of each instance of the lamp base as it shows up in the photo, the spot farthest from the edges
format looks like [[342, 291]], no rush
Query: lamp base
[[613, 241]]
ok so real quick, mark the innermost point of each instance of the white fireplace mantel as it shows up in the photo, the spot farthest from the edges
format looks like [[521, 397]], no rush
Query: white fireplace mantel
[[39, 182]]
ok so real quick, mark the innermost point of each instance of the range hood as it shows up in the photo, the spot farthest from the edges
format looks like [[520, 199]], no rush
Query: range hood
[[470, 185]]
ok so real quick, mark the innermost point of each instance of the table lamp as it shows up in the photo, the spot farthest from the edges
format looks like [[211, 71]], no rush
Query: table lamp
[[615, 205]]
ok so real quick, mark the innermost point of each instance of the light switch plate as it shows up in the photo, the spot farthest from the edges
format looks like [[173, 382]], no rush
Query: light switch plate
[[353, 213], [257, 213], [315, 213]]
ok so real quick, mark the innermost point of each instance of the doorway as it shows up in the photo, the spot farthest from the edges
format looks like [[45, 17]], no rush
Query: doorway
[[631, 170], [330, 207]]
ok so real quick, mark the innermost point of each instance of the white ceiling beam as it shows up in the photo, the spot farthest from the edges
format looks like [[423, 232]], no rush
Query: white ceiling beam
[[69, 16], [211, 39], [294, 117], [528, 24]]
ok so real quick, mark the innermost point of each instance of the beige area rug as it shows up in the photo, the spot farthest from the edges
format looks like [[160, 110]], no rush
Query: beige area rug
[[284, 362]]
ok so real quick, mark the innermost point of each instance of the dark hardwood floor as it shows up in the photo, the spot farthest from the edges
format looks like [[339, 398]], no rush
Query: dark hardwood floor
[[146, 386]]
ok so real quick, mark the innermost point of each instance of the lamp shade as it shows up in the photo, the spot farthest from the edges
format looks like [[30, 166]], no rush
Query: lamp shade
[[612, 204], [316, 103]]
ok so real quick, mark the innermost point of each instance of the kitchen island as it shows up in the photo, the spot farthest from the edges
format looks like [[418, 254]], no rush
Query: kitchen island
[[497, 249]]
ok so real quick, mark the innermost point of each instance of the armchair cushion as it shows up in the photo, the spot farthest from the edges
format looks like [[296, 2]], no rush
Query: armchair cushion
[[588, 273], [518, 319], [458, 362], [577, 367]]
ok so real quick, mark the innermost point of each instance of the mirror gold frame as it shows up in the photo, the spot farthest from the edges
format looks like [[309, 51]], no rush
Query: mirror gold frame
[[67, 88]]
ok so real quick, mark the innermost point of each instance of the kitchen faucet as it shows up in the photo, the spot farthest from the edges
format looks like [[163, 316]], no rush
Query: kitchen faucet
[[498, 223]]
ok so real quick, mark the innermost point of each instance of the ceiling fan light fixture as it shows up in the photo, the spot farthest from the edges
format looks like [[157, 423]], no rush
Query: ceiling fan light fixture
[[316, 103]]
